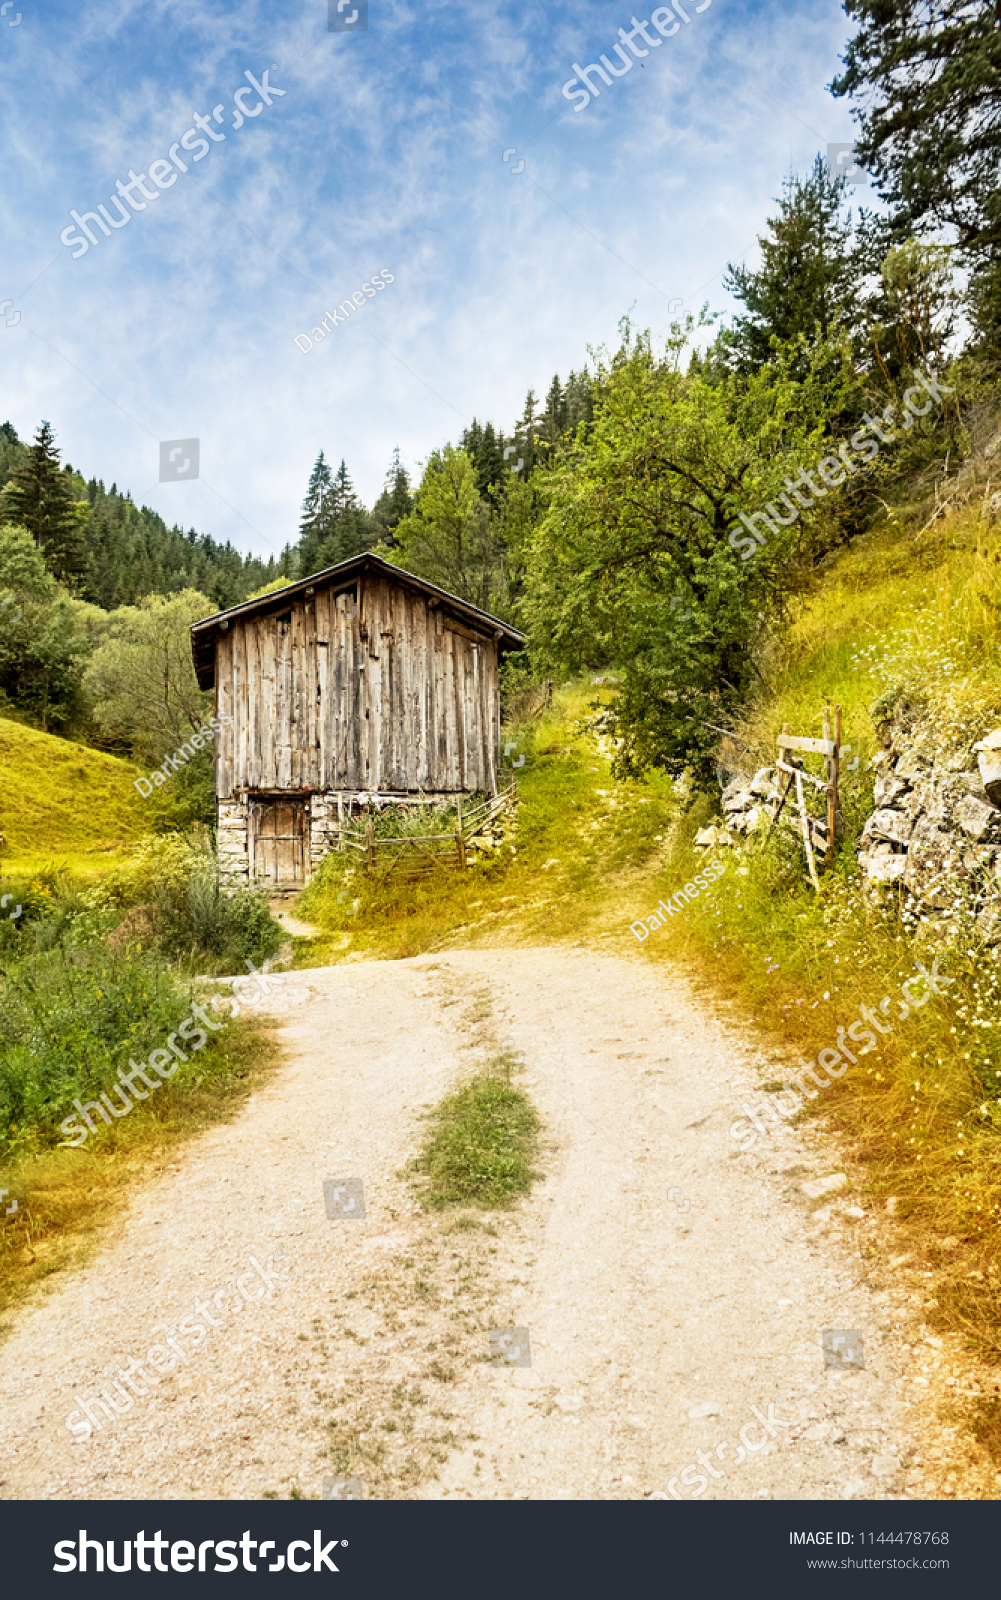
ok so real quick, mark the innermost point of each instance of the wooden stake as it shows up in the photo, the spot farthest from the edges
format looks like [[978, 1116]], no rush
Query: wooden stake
[[785, 796], [829, 775], [805, 827], [834, 803]]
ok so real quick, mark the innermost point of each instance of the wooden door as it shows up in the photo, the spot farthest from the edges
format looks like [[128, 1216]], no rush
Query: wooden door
[[279, 841]]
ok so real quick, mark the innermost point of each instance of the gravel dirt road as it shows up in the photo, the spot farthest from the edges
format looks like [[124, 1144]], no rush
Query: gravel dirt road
[[675, 1291]]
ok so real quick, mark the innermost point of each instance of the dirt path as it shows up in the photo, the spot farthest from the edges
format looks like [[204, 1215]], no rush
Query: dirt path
[[674, 1290]]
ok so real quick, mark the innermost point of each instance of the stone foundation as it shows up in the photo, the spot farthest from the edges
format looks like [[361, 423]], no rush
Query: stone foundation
[[326, 813], [234, 860]]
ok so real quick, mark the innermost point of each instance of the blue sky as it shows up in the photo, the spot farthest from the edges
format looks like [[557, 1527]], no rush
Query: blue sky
[[384, 152]]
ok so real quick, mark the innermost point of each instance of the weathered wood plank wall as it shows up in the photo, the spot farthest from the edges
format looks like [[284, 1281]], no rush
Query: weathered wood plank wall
[[377, 688]]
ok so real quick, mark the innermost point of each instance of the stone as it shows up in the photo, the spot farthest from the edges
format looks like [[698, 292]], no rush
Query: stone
[[739, 800], [762, 782], [709, 1409], [912, 766], [989, 925], [933, 864], [889, 789], [816, 1188], [930, 800], [880, 868], [711, 836], [975, 818], [886, 824], [734, 787]]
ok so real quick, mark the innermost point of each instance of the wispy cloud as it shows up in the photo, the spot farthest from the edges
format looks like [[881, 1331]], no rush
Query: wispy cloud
[[386, 152]]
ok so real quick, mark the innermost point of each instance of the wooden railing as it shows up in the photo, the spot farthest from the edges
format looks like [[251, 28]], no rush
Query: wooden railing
[[415, 854]]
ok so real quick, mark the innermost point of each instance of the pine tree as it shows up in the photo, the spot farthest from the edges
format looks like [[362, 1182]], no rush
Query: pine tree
[[38, 497], [810, 272], [554, 419], [926, 74], [312, 528], [579, 402], [526, 433], [395, 502]]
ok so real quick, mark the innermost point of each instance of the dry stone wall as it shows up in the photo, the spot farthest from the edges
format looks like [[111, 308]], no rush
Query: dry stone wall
[[935, 828]]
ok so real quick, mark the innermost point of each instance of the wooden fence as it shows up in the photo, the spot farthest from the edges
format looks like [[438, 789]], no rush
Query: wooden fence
[[412, 855], [818, 833]]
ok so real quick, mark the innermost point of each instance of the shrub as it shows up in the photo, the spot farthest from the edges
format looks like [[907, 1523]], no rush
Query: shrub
[[69, 1018], [174, 882]]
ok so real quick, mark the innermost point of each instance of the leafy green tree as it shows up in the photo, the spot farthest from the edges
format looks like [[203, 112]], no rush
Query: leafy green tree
[[11, 450], [449, 536], [46, 637], [912, 316], [640, 560], [926, 78], [38, 497], [809, 278], [141, 679]]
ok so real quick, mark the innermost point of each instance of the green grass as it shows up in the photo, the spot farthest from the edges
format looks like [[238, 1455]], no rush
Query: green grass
[[67, 1199], [63, 806], [482, 1143]]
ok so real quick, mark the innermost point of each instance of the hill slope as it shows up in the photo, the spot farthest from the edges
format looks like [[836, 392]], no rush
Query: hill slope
[[63, 804]]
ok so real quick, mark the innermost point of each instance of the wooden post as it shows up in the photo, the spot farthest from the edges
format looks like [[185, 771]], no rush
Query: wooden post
[[460, 838], [829, 775], [831, 767], [370, 844], [805, 828], [789, 783], [838, 821]]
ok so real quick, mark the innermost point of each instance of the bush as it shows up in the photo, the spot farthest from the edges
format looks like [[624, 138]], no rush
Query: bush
[[69, 1018], [174, 882]]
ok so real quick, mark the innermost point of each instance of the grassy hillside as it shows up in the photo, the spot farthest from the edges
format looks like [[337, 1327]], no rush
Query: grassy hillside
[[63, 805]]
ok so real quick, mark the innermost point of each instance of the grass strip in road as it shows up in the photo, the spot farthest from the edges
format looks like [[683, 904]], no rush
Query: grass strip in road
[[482, 1143]]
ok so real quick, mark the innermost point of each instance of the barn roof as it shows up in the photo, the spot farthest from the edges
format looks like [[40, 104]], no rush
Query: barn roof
[[205, 633]]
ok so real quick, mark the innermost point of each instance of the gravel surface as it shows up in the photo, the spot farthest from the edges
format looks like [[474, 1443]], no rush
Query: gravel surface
[[675, 1290]]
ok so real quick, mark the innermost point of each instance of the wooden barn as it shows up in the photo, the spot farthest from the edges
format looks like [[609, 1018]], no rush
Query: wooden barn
[[360, 680]]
